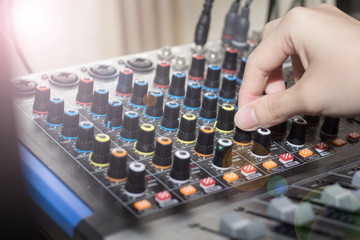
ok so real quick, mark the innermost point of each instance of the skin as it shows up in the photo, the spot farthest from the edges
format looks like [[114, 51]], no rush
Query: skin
[[324, 45]]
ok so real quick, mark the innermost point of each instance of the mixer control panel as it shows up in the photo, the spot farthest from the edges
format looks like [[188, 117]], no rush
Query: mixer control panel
[[146, 137]]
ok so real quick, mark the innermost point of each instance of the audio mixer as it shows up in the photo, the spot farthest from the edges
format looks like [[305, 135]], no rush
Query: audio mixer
[[145, 147]]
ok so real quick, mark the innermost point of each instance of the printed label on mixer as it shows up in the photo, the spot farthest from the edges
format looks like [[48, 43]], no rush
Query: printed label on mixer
[[251, 177], [291, 164]]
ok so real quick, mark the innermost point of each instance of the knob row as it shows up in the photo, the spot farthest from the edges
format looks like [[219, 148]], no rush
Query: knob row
[[134, 175], [187, 130], [296, 137], [113, 111], [124, 86]]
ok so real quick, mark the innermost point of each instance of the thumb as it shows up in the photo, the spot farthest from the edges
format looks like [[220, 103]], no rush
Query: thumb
[[269, 110]]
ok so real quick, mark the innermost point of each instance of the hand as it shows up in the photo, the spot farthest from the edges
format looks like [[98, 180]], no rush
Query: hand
[[324, 45]]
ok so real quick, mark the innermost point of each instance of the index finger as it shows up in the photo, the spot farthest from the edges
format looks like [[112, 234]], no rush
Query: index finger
[[266, 58]]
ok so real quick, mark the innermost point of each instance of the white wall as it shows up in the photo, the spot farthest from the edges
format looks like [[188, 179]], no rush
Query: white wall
[[89, 30]]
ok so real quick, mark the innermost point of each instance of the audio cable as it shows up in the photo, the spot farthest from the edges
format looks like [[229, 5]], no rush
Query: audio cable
[[203, 25], [230, 20], [272, 5], [241, 28]]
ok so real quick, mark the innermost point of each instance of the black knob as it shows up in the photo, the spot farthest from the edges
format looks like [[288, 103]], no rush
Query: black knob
[[99, 105], [279, 130], [139, 92], [225, 119], [230, 58], [170, 120], [177, 87], [228, 88], [187, 129], [205, 140], [262, 142], [296, 137], [192, 97], [223, 154], [124, 85], [84, 95], [56, 112], [162, 78], [117, 171], [312, 120], [330, 126], [130, 127], [208, 107], [100, 155], [197, 67], [212, 80], [145, 143], [241, 70], [113, 118], [180, 171], [135, 184], [162, 157], [241, 137], [70, 125], [85, 138], [42, 99], [154, 104]]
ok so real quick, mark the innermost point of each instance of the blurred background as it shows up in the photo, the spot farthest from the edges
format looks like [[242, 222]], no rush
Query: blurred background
[[59, 33]]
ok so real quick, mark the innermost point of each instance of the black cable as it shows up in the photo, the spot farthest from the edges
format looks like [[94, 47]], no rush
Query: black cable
[[248, 2], [272, 4], [14, 39], [203, 25], [302, 3], [230, 21], [241, 28]]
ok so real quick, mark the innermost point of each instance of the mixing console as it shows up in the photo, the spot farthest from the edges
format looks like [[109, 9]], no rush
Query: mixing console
[[148, 147]]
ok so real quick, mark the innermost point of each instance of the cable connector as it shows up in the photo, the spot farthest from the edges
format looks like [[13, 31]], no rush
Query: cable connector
[[203, 25], [241, 28], [230, 20]]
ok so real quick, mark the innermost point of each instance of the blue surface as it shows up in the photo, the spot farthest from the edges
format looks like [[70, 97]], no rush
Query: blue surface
[[169, 129], [195, 85], [227, 99], [191, 108], [151, 116], [128, 139], [156, 94], [139, 106], [83, 151], [141, 82], [176, 97], [212, 96], [179, 74], [209, 120], [56, 100], [214, 67], [54, 125], [71, 138], [172, 104], [210, 89], [55, 198], [117, 103], [98, 115], [71, 112]]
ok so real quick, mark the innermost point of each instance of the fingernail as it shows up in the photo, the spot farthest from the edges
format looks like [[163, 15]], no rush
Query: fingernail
[[246, 119]]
